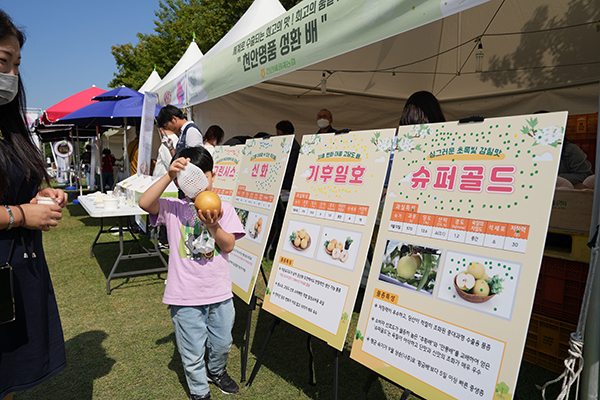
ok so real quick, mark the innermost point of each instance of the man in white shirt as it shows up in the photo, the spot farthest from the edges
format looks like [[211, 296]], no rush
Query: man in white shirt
[[172, 119], [163, 160]]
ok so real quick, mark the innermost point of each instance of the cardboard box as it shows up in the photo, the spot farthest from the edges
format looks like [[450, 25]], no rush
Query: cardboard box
[[572, 210]]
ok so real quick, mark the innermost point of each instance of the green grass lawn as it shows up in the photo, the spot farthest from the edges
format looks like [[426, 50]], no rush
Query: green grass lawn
[[122, 346]]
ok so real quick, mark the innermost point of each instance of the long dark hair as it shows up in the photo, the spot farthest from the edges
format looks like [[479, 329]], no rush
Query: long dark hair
[[17, 146], [422, 108]]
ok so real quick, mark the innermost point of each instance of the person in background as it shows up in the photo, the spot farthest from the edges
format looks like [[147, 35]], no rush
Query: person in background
[[213, 137], [163, 160], [86, 160], [172, 118], [574, 165], [133, 149], [32, 347], [237, 140], [108, 162], [324, 121], [261, 135], [420, 108], [286, 128], [199, 286]]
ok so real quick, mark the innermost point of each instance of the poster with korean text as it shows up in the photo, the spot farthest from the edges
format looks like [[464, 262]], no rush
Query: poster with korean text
[[327, 231], [454, 273], [226, 169], [146, 131], [262, 167]]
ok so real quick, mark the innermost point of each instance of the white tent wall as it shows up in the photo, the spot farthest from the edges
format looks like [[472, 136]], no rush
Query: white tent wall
[[254, 109]]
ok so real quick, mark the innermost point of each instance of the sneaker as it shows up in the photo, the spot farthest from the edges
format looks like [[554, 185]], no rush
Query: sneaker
[[224, 382], [198, 397]]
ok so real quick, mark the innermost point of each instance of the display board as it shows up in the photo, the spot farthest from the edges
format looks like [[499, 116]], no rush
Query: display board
[[226, 168], [262, 168], [327, 230], [146, 130], [454, 272]]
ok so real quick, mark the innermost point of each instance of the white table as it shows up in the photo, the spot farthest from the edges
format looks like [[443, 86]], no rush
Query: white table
[[122, 212]]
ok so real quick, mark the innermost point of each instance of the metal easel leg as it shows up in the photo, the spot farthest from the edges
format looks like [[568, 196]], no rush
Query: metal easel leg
[[370, 379], [251, 308], [311, 364], [336, 372], [262, 352]]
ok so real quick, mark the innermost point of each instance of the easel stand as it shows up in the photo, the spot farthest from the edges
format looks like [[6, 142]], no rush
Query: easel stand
[[336, 361], [251, 308], [370, 379]]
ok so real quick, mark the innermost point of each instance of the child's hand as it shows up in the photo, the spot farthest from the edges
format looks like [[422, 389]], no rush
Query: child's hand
[[209, 219], [176, 166]]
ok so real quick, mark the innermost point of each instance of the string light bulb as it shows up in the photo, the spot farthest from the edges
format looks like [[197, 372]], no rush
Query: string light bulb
[[479, 57], [323, 84]]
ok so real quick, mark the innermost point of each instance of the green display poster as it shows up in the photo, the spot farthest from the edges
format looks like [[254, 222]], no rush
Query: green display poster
[[457, 258], [327, 230]]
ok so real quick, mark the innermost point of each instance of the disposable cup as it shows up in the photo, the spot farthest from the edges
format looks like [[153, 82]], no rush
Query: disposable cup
[[111, 204], [46, 200]]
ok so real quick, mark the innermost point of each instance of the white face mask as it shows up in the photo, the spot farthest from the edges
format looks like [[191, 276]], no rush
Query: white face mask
[[9, 86], [322, 123]]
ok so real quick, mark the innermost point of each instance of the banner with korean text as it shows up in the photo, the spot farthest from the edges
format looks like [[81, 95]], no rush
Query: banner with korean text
[[450, 291], [262, 168], [310, 32], [326, 232], [146, 131]]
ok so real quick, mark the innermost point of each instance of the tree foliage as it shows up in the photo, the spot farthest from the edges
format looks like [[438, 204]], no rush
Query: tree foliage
[[177, 21]]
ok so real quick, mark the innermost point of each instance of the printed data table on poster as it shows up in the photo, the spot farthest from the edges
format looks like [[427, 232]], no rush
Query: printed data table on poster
[[457, 257], [226, 168], [255, 196], [327, 230]]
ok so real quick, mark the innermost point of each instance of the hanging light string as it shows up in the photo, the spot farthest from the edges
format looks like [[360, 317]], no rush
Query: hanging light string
[[474, 41]]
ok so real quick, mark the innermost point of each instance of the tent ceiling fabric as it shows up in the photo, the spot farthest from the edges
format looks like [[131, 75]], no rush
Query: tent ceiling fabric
[[538, 54], [558, 54]]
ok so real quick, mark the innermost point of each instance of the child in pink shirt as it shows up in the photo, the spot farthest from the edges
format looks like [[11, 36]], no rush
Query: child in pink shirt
[[198, 284]]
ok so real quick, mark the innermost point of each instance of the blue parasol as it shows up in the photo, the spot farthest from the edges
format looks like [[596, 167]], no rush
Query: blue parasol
[[108, 113], [120, 93]]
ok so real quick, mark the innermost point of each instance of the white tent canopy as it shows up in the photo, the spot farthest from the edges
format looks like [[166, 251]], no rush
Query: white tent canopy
[[152, 81], [539, 54], [258, 14], [175, 76]]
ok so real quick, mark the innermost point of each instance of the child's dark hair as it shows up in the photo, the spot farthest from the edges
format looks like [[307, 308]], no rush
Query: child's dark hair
[[198, 156]]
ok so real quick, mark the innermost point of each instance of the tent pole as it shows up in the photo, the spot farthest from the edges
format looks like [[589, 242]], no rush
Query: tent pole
[[126, 163], [100, 159], [591, 348], [78, 158]]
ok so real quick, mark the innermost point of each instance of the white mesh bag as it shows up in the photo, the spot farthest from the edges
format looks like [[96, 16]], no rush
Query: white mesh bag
[[589, 181], [562, 183], [192, 180]]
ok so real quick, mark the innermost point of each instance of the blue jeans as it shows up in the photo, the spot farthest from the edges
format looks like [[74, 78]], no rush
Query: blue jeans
[[107, 179], [203, 327]]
